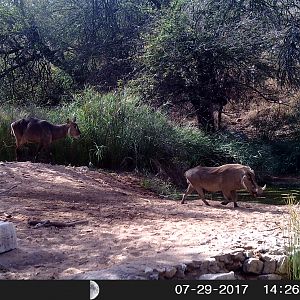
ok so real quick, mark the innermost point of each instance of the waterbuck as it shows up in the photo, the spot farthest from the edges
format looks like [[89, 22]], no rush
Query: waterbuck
[[226, 179], [41, 132]]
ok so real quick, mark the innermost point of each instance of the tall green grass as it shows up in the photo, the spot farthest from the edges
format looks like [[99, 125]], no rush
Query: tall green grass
[[294, 238], [120, 132]]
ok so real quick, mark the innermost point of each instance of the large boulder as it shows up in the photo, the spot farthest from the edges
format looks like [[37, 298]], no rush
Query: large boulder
[[8, 237]]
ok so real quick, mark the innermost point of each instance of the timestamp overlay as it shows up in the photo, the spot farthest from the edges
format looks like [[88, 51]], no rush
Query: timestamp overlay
[[199, 289], [149, 289]]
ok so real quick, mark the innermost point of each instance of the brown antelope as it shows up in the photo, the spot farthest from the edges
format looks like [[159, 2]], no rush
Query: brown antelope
[[41, 132], [226, 179]]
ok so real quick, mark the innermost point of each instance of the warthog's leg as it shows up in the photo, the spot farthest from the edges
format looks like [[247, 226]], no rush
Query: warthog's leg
[[39, 149], [188, 191], [233, 195], [230, 197], [226, 195], [202, 195], [17, 153]]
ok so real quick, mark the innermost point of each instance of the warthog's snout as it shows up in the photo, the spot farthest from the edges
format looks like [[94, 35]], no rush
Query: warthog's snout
[[259, 191]]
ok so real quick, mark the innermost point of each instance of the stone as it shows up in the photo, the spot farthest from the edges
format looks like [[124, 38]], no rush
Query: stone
[[239, 256], [154, 275], [96, 275], [213, 266], [253, 265], [195, 264], [69, 273], [269, 277], [269, 267], [148, 270], [8, 237], [181, 270], [282, 264], [170, 272], [269, 264], [160, 270], [249, 254], [218, 276]]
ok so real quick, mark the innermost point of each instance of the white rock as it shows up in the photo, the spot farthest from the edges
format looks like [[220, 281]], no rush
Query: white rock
[[148, 270], [218, 276], [8, 237]]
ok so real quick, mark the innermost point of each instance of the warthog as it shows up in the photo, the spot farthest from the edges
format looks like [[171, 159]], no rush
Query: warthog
[[226, 179], [41, 132]]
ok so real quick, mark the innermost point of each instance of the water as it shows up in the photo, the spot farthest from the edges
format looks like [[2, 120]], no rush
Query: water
[[272, 195]]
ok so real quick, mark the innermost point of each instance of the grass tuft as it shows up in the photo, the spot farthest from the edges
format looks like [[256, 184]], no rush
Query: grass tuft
[[294, 238]]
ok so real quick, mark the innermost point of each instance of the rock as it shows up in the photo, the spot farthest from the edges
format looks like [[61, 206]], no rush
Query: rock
[[218, 276], [224, 258], [160, 270], [253, 265], [269, 267], [96, 275], [276, 251], [269, 277], [170, 272], [263, 249], [269, 264], [238, 256], [249, 254], [69, 273], [282, 265], [213, 266], [181, 270], [195, 264], [8, 237], [153, 276], [148, 270]]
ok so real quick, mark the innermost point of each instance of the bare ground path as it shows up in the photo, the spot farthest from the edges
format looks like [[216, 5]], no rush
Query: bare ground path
[[126, 223]]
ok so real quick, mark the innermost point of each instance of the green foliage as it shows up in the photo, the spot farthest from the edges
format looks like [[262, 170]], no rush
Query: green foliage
[[163, 188], [119, 131], [50, 49], [189, 57], [287, 121], [294, 239]]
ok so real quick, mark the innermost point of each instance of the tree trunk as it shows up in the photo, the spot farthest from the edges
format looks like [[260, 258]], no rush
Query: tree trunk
[[220, 116], [205, 115]]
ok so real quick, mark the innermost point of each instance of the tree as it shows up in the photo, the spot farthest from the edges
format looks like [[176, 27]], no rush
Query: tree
[[210, 52], [49, 45]]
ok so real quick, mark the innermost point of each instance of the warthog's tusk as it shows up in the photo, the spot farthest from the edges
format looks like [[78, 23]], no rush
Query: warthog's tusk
[[264, 187]]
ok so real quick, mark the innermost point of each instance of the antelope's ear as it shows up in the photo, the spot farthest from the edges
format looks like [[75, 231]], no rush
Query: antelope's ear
[[68, 120]]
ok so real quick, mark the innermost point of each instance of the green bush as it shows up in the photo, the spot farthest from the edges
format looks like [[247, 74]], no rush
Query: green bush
[[120, 132]]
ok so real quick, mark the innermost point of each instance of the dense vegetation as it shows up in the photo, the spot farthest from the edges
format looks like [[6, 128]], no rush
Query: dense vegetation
[[151, 81], [126, 67]]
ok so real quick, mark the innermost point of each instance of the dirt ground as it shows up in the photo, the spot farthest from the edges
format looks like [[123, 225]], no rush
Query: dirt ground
[[125, 223]]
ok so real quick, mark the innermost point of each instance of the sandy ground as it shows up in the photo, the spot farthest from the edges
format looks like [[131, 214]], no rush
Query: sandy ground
[[125, 223]]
